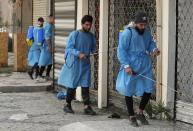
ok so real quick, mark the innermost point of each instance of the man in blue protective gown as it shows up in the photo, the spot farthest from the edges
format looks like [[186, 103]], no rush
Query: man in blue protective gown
[[77, 69], [135, 46], [46, 50], [34, 52]]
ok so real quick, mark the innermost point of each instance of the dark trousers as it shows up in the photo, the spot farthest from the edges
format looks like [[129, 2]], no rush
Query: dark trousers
[[129, 103], [42, 68], [85, 95], [35, 68]]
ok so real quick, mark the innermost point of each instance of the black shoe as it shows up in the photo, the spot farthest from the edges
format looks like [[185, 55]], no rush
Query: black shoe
[[30, 74], [89, 111], [142, 119], [133, 121], [68, 109]]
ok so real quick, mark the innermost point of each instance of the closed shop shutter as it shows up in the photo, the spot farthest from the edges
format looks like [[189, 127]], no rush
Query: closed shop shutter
[[40, 9], [65, 21]]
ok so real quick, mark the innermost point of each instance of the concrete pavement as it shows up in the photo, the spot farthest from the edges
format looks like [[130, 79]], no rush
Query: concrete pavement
[[41, 111]]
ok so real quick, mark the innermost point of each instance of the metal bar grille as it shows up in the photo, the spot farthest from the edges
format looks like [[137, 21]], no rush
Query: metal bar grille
[[95, 11], [184, 61], [120, 14]]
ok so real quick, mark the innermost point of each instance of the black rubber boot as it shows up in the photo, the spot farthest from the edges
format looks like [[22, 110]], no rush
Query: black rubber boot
[[89, 111], [142, 119], [68, 109], [30, 73], [133, 121]]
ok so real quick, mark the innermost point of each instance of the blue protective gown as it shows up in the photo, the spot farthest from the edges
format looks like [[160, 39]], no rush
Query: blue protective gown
[[34, 52], [133, 50], [30, 33], [46, 56], [76, 72]]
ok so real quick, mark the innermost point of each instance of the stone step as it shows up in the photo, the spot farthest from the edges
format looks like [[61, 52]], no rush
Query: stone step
[[20, 82]]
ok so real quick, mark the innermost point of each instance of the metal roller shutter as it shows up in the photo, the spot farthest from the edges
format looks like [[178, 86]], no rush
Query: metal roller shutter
[[40, 9], [26, 14], [65, 22]]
